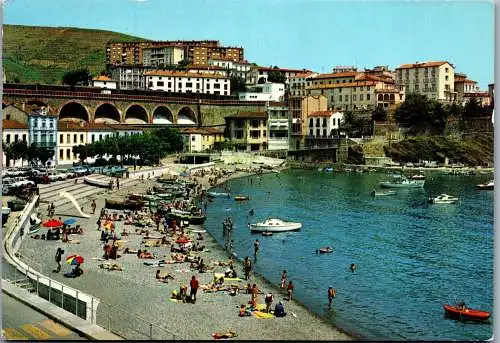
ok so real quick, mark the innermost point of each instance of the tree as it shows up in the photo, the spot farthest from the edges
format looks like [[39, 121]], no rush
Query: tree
[[261, 80], [413, 112], [19, 150], [437, 117], [276, 76], [77, 77], [238, 85], [379, 114], [472, 109], [8, 151], [81, 151], [184, 63], [45, 154]]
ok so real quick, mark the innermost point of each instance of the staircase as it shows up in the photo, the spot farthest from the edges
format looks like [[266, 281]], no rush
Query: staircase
[[80, 191]]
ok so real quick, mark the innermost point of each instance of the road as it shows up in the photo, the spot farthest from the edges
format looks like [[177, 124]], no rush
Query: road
[[21, 322]]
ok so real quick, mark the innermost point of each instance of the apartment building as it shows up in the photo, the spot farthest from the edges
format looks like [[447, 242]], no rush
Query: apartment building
[[199, 52], [300, 107], [42, 131], [165, 55], [436, 80], [233, 69], [201, 139], [130, 77], [186, 82], [207, 69], [356, 91], [248, 130], [70, 134], [278, 117], [264, 92], [13, 131], [298, 83], [257, 73]]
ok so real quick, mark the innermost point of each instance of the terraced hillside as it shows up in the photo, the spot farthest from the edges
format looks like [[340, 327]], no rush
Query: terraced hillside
[[33, 54]]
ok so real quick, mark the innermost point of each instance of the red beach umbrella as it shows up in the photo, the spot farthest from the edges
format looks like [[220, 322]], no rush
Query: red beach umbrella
[[53, 223], [182, 240], [74, 259]]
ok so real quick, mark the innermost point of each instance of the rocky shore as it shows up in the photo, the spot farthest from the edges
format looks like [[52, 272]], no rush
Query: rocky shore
[[131, 299]]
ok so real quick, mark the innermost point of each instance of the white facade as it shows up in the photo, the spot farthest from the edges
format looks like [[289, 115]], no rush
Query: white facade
[[67, 139], [278, 127], [321, 123], [105, 84], [256, 73], [168, 55], [264, 92], [130, 77], [11, 135], [188, 83], [42, 128], [237, 69]]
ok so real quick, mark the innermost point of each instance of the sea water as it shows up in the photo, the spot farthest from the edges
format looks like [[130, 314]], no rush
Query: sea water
[[412, 257]]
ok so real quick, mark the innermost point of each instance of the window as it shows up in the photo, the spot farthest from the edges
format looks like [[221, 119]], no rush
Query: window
[[311, 122], [150, 84], [367, 96], [317, 132], [225, 87], [75, 138], [24, 138], [208, 85], [217, 85], [361, 97], [311, 132], [324, 132], [93, 138], [340, 97], [7, 138], [61, 138], [159, 83], [35, 138], [68, 154], [16, 137], [354, 97], [61, 154], [446, 70], [353, 89], [68, 138], [51, 125], [446, 78], [100, 136], [238, 134], [81, 138], [346, 97], [193, 138], [317, 121], [189, 84]]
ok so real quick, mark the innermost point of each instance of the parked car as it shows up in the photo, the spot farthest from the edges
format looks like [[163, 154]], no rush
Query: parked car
[[57, 176], [80, 171]]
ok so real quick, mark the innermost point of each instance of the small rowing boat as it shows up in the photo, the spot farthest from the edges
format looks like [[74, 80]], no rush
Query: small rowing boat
[[464, 313], [326, 250], [241, 198]]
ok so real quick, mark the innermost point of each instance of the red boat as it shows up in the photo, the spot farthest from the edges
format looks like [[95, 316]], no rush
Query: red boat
[[465, 313]]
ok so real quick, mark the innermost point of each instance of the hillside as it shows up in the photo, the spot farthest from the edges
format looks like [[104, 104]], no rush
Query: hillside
[[470, 151], [36, 54]]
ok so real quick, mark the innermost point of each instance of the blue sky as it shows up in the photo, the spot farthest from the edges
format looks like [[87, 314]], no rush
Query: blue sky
[[312, 34]]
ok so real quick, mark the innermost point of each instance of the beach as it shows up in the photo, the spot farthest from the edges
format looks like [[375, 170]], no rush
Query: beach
[[133, 298]]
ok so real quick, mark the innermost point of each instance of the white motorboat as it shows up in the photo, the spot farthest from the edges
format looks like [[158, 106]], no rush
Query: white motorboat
[[374, 193], [275, 225], [487, 186], [443, 199], [95, 182], [402, 182]]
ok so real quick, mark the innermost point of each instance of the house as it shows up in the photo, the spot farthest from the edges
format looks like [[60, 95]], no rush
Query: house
[[13, 131], [102, 81], [42, 128], [201, 139], [187, 82], [278, 126], [248, 130], [264, 92]]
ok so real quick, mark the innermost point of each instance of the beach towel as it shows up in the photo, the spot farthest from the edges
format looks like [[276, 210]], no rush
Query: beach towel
[[154, 262], [175, 300], [183, 270], [263, 315], [110, 266]]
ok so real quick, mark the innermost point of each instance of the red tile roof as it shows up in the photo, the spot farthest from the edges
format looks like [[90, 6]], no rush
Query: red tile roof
[[423, 65], [283, 70], [67, 125], [321, 114], [102, 78], [201, 130], [341, 85], [248, 115], [335, 75], [8, 124]]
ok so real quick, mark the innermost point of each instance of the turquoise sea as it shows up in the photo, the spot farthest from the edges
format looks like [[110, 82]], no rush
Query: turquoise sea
[[412, 257]]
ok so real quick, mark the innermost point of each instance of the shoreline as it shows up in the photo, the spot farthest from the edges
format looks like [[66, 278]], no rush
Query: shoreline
[[136, 287]]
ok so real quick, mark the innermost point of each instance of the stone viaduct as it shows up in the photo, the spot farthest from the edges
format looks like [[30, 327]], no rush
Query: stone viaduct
[[95, 107]]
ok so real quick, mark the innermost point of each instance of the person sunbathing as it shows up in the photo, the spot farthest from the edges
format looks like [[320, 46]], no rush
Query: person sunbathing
[[146, 254], [163, 277], [244, 312]]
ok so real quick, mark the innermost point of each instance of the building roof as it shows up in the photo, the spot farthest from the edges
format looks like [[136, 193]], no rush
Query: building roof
[[285, 70], [201, 130], [423, 65], [204, 67], [321, 114], [8, 124], [102, 78], [303, 74], [67, 125], [248, 115], [367, 77], [183, 74], [341, 85], [335, 75]]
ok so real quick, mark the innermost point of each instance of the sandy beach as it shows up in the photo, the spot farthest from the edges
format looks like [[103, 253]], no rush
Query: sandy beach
[[133, 298]]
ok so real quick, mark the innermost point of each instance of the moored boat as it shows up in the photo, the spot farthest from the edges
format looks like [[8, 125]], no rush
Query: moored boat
[[275, 225], [98, 183], [241, 198], [486, 186], [374, 193], [124, 204], [402, 182], [325, 250], [443, 199], [464, 313], [191, 218], [217, 194]]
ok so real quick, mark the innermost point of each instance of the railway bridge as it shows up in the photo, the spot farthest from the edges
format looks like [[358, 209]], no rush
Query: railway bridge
[[94, 106]]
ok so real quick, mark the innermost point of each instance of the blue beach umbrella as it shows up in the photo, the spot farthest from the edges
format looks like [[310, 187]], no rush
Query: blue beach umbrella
[[69, 221]]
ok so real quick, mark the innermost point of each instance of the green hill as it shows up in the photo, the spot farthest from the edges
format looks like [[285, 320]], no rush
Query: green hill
[[34, 54]]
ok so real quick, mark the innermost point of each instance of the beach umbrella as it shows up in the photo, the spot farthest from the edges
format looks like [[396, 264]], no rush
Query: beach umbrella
[[70, 221], [182, 240], [74, 259], [109, 225], [53, 223]]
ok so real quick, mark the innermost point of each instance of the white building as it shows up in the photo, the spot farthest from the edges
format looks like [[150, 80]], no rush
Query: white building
[[130, 77], [13, 131], [207, 69], [186, 82], [278, 119], [42, 128], [264, 92], [167, 55], [256, 73], [298, 83], [103, 81], [323, 123], [233, 68]]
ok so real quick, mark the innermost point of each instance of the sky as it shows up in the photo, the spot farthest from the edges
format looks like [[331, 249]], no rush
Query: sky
[[312, 34]]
